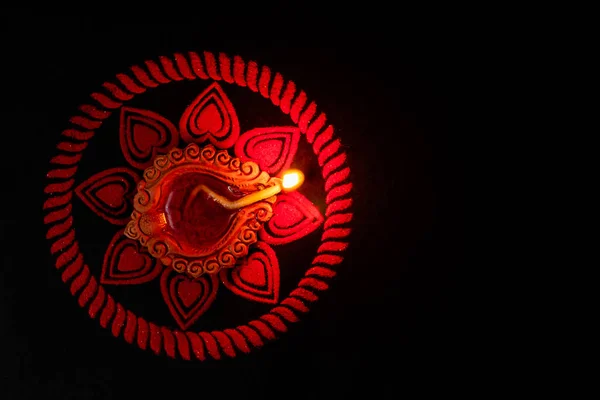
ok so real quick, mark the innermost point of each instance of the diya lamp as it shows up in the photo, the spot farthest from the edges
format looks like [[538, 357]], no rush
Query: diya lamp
[[198, 210]]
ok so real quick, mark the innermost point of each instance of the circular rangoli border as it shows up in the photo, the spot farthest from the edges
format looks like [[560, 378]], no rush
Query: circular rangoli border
[[92, 295]]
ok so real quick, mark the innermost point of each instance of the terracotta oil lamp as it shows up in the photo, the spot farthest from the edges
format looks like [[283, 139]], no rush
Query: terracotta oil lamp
[[198, 210]]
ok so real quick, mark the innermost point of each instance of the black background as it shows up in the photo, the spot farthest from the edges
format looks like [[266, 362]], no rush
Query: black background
[[391, 315]]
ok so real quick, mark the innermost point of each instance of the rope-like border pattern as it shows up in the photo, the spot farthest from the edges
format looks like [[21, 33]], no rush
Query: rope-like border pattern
[[70, 261]]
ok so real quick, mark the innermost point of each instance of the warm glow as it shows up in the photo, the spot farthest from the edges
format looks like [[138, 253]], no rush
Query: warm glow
[[292, 179]]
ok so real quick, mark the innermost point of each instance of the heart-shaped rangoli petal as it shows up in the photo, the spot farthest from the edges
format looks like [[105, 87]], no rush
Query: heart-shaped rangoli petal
[[189, 291], [272, 148], [188, 298], [144, 134], [127, 263], [109, 194], [294, 217], [257, 277], [211, 117]]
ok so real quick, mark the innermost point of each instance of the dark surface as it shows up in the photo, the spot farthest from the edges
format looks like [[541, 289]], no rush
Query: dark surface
[[390, 315]]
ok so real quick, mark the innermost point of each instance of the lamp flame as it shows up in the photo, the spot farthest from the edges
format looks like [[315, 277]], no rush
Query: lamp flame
[[292, 179]]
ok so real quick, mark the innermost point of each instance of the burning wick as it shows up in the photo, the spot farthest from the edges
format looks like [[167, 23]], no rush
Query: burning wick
[[292, 179]]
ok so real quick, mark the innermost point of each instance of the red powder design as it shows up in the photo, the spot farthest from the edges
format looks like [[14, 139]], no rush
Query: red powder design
[[128, 263], [210, 118], [272, 148], [109, 194], [188, 299], [257, 278], [144, 134], [293, 218]]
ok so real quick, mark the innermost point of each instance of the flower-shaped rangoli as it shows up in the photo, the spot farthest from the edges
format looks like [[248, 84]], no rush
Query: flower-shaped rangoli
[[208, 133], [208, 128]]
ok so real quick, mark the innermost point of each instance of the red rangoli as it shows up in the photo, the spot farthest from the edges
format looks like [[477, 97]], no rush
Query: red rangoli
[[209, 123]]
